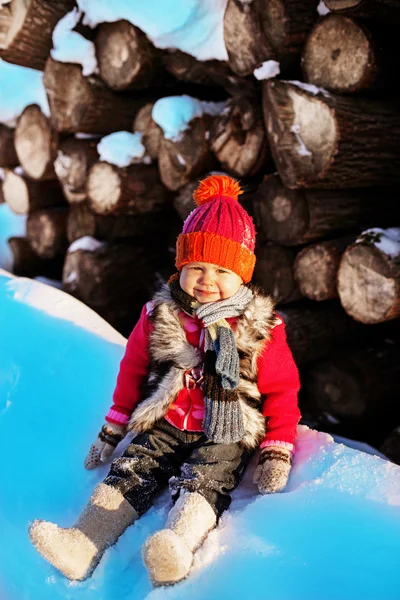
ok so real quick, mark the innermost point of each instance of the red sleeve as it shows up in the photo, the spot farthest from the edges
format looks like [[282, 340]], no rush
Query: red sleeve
[[133, 370], [278, 381]]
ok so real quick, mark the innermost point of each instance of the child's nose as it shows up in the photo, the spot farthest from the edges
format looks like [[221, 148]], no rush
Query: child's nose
[[207, 278]]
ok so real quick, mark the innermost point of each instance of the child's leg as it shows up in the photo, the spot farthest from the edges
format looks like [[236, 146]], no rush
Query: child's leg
[[207, 477], [126, 493]]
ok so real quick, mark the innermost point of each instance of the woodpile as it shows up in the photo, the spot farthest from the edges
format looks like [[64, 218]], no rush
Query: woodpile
[[308, 120]]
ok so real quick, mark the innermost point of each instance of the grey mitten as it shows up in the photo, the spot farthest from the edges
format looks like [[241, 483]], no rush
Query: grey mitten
[[272, 472], [103, 448]]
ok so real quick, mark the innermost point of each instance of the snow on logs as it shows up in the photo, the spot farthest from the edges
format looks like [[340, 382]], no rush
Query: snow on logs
[[27, 37], [258, 31], [75, 157], [8, 155], [131, 190], [47, 232], [326, 141], [25, 195], [315, 268], [126, 57], [345, 55], [36, 143], [238, 137], [295, 217], [369, 276], [86, 104]]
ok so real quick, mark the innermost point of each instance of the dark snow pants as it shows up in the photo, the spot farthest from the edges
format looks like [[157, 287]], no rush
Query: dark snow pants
[[186, 460]]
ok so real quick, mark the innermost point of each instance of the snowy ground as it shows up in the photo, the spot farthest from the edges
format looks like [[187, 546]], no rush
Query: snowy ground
[[335, 533]]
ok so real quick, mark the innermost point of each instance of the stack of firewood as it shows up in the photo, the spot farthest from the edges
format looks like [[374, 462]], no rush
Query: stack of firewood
[[317, 150]]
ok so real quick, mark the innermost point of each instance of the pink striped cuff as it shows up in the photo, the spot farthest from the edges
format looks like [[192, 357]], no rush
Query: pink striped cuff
[[286, 445], [117, 417]]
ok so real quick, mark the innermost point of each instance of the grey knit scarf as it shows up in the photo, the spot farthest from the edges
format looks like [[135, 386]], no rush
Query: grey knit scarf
[[223, 418]]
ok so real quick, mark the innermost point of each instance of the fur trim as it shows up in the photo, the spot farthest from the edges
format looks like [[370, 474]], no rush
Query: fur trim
[[169, 346]]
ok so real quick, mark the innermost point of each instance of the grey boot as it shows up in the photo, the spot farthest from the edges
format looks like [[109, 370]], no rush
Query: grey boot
[[168, 554], [76, 551]]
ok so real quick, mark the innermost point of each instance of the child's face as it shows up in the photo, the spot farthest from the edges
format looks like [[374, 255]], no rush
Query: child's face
[[209, 283]]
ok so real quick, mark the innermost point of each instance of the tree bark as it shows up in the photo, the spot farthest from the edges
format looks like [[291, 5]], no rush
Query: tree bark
[[74, 160], [85, 104], [115, 280], [24, 195], [83, 222], [345, 55], [126, 57], [359, 387], [151, 132], [369, 277], [274, 272], [313, 330], [266, 30], [5, 21], [26, 263], [183, 160], [47, 232], [183, 201], [326, 141], [381, 10], [130, 191], [29, 36], [295, 217], [8, 155], [36, 143], [238, 137]]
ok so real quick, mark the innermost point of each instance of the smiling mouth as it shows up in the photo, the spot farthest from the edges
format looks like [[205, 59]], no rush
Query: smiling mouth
[[206, 293]]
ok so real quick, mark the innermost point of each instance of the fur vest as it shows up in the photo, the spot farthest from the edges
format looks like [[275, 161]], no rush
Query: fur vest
[[171, 355]]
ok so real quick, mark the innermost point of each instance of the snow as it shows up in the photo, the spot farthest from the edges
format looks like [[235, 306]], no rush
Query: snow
[[87, 243], [387, 240], [174, 113], [302, 149], [334, 533], [193, 26], [72, 47], [322, 9], [123, 148], [268, 69], [308, 87], [10, 225], [19, 87]]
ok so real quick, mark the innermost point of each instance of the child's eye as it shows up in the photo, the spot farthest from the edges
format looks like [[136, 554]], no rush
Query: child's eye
[[222, 271]]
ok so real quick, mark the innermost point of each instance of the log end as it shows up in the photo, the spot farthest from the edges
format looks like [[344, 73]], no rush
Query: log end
[[103, 188]]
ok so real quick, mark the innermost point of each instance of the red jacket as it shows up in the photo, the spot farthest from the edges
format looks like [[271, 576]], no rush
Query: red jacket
[[278, 381]]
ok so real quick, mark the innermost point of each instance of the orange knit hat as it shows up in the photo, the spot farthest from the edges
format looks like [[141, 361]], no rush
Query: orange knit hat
[[219, 231]]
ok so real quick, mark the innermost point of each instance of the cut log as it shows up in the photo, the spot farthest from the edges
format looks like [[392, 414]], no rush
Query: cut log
[[75, 158], [24, 195], [183, 201], [313, 330], [116, 280], [369, 276], [26, 263], [391, 446], [47, 232], [31, 23], [262, 30], [130, 191], [344, 55], [183, 160], [85, 104], [36, 143], [316, 266], [295, 217], [326, 141], [5, 21], [359, 386], [238, 137], [8, 155], [151, 132], [127, 59], [274, 272], [83, 222], [382, 10]]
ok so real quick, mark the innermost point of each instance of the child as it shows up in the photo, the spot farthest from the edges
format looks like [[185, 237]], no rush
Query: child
[[207, 377]]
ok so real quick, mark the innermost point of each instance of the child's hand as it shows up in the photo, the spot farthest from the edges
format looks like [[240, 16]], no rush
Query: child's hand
[[107, 440], [273, 469]]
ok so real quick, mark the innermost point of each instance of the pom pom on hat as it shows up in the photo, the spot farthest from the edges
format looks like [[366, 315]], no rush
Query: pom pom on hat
[[216, 185]]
